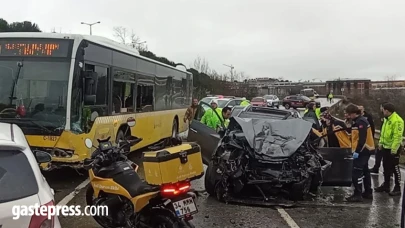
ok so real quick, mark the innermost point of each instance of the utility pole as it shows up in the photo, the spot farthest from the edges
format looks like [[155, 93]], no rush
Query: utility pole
[[90, 25], [232, 67]]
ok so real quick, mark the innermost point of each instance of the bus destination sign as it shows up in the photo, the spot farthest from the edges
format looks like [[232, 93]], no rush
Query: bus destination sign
[[34, 48]]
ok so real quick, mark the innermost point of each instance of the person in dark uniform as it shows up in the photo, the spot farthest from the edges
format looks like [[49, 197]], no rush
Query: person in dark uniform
[[362, 146], [378, 153], [390, 145]]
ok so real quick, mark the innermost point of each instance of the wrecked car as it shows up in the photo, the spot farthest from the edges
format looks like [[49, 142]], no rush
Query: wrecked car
[[268, 152]]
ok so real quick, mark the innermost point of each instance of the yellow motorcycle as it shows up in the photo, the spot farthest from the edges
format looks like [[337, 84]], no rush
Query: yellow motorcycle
[[131, 201]]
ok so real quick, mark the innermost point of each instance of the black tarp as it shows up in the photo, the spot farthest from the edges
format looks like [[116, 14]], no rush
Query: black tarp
[[274, 139]]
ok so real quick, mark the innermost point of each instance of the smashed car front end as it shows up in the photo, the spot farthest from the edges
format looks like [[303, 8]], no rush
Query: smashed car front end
[[266, 159]]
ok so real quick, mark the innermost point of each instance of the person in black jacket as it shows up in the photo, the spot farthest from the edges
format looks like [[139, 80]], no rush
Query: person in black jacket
[[369, 118], [378, 154]]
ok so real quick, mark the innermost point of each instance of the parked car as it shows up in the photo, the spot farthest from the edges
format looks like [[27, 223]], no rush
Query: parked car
[[272, 101], [298, 101], [229, 102], [341, 159], [21, 181], [259, 101]]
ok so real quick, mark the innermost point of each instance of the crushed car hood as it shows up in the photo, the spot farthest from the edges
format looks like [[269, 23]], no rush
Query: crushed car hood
[[274, 138]]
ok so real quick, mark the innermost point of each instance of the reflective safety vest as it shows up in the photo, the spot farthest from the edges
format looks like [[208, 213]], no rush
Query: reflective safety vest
[[317, 112], [392, 132], [244, 103], [211, 119]]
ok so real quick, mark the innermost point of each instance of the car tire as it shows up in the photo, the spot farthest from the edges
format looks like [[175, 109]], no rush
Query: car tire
[[209, 179], [287, 106]]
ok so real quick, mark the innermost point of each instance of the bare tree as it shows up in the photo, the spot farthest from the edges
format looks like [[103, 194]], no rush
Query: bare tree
[[129, 38], [201, 65], [121, 34]]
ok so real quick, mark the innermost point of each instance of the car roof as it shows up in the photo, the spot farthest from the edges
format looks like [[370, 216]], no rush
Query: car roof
[[224, 99], [265, 112], [12, 136]]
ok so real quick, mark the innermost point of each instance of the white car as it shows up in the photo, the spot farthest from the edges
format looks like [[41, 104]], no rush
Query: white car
[[272, 101], [21, 181]]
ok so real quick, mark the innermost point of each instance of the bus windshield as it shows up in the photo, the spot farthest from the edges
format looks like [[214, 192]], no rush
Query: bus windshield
[[33, 93]]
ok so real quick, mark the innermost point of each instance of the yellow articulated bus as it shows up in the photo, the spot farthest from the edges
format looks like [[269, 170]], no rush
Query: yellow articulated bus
[[63, 88]]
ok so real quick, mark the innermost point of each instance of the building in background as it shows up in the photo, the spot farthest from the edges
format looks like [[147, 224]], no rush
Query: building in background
[[344, 86]]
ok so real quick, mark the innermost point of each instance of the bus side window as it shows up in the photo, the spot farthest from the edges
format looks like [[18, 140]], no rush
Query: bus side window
[[123, 92], [144, 98]]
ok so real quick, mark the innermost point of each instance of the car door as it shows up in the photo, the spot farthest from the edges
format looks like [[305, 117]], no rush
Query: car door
[[206, 137], [231, 104], [340, 174]]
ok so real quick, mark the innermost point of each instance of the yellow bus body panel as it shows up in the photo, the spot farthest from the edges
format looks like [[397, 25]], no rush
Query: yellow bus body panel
[[151, 126]]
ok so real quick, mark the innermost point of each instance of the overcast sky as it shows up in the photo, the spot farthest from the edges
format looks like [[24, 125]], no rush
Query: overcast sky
[[301, 39]]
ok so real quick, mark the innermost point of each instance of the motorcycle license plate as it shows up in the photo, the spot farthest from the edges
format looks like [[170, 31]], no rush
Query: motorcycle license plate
[[185, 207]]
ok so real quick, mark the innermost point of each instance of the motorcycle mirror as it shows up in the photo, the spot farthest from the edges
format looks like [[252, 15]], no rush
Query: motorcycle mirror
[[88, 143], [131, 121]]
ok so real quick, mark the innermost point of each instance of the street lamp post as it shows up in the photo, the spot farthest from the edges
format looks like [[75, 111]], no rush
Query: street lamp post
[[90, 25]]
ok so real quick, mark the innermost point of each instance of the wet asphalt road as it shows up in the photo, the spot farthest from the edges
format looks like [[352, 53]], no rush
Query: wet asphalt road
[[326, 210]]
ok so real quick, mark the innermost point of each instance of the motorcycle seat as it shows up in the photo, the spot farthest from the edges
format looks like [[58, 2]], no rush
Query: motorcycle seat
[[134, 184]]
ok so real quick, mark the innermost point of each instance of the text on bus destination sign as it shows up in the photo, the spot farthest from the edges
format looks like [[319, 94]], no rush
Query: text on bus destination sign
[[49, 48]]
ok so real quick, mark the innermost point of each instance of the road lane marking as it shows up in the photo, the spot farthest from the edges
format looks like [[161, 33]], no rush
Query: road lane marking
[[72, 195], [287, 218]]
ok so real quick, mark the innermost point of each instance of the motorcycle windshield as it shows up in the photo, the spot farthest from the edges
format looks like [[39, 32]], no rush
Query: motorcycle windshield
[[274, 139]]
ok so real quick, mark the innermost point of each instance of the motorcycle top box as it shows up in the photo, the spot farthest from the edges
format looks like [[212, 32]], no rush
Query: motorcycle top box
[[173, 164]]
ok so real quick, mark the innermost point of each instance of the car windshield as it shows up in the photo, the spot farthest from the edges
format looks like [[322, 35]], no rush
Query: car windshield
[[15, 172], [257, 99], [222, 103], [305, 98], [206, 100], [34, 93], [269, 97]]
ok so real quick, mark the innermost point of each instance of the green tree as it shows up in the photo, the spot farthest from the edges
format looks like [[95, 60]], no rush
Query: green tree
[[25, 26]]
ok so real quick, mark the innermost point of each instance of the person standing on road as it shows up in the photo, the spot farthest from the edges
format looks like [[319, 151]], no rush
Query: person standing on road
[[210, 115], [378, 153], [244, 103], [362, 146], [330, 97], [223, 118], [311, 114], [369, 118], [191, 111], [390, 146]]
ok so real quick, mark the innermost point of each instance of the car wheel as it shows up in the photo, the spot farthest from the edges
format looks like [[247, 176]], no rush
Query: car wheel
[[209, 179], [287, 106]]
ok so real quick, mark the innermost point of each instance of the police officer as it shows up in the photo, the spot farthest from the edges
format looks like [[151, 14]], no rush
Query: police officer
[[244, 103], [390, 146], [362, 145], [209, 117]]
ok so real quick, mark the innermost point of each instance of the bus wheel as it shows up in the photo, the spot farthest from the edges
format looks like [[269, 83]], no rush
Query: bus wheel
[[175, 129]]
